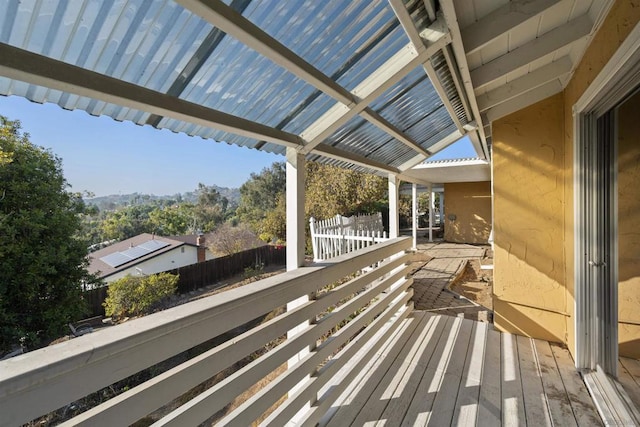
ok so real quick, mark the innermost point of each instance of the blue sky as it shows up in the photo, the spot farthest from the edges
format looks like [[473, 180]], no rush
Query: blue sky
[[105, 157]]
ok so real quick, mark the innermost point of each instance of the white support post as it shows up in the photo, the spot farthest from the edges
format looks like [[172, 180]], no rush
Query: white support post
[[295, 237], [394, 226], [432, 206], [295, 209], [414, 210], [442, 209]]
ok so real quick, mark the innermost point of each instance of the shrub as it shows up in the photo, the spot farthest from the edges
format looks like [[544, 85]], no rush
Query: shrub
[[135, 295]]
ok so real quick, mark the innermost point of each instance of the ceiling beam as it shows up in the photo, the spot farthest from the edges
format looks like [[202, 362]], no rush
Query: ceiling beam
[[443, 143], [392, 130], [233, 23], [410, 29], [387, 75], [430, 6], [535, 49], [345, 156], [19, 64], [236, 25], [525, 83], [412, 162], [457, 81], [528, 98], [451, 18], [500, 21]]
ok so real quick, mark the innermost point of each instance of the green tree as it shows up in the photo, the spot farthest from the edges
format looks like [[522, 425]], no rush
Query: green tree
[[42, 259], [173, 220], [135, 295], [260, 195], [211, 210], [331, 190], [127, 222]]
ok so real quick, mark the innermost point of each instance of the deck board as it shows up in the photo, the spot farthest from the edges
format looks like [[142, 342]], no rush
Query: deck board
[[512, 397], [490, 400], [445, 370], [406, 388], [535, 401], [466, 406], [560, 409], [629, 376], [583, 407]]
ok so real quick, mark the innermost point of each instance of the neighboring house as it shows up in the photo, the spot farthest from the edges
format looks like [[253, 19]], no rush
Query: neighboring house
[[147, 254]]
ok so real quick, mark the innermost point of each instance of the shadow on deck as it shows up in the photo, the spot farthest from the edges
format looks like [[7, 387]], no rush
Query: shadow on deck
[[442, 370]]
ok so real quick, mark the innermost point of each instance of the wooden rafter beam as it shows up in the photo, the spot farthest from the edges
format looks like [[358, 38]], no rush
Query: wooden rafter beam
[[19, 64], [410, 29], [501, 21], [545, 44], [525, 83]]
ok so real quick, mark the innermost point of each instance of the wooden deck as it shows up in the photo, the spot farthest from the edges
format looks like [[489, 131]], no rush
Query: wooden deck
[[443, 370], [629, 377]]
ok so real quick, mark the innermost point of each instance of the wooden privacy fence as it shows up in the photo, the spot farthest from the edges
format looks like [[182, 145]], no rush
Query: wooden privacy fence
[[203, 274], [340, 235], [206, 273]]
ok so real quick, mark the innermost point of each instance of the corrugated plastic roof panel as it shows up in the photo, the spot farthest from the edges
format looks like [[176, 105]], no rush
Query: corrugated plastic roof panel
[[163, 47]]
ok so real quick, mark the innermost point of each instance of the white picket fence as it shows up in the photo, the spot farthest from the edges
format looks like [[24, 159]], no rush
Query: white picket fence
[[340, 235]]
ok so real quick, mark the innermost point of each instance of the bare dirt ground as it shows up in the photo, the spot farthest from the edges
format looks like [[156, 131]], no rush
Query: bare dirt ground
[[475, 284]]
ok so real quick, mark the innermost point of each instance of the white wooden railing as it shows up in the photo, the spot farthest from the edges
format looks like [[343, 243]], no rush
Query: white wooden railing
[[340, 235], [365, 307]]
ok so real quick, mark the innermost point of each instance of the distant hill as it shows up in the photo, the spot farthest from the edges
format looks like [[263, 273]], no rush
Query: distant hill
[[115, 200]]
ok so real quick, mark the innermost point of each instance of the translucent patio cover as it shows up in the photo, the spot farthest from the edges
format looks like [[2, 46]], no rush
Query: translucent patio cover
[[358, 83]]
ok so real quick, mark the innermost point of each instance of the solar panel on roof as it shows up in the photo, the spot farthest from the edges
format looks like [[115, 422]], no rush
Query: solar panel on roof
[[119, 258]]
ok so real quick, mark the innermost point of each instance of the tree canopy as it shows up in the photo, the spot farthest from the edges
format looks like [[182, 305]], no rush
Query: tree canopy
[[42, 259], [329, 190]]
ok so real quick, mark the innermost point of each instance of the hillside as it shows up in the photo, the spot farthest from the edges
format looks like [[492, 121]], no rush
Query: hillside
[[115, 200]]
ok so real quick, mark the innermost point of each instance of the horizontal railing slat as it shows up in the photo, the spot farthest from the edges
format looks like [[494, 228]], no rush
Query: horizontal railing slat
[[261, 401], [316, 382], [44, 380], [217, 397]]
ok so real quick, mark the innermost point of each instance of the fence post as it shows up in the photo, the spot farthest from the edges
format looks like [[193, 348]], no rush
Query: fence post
[[314, 244]]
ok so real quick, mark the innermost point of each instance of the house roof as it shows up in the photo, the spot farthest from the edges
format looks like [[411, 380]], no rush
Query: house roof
[[370, 85], [101, 261], [455, 170]]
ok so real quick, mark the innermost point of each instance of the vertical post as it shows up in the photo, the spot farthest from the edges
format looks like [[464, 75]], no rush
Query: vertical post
[[414, 216], [295, 238], [295, 209], [394, 226], [442, 209], [432, 206]]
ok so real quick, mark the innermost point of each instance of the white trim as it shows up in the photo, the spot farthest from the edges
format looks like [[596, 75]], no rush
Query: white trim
[[501, 21], [603, 91], [547, 43], [606, 90]]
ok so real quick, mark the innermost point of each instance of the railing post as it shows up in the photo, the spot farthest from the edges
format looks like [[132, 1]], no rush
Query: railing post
[[295, 240], [394, 226], [314, 243], [414, 215]]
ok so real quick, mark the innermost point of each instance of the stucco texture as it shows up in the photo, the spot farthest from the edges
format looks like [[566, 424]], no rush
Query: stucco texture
[[622, 18], [533, 204], [528, 168], [470, 204], [629, 227]]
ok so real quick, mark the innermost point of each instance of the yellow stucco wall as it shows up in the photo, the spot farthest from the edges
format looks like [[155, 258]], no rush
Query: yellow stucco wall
[[533, 186], [470, 202], [528, 168], [622, 18], [629, 227]]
